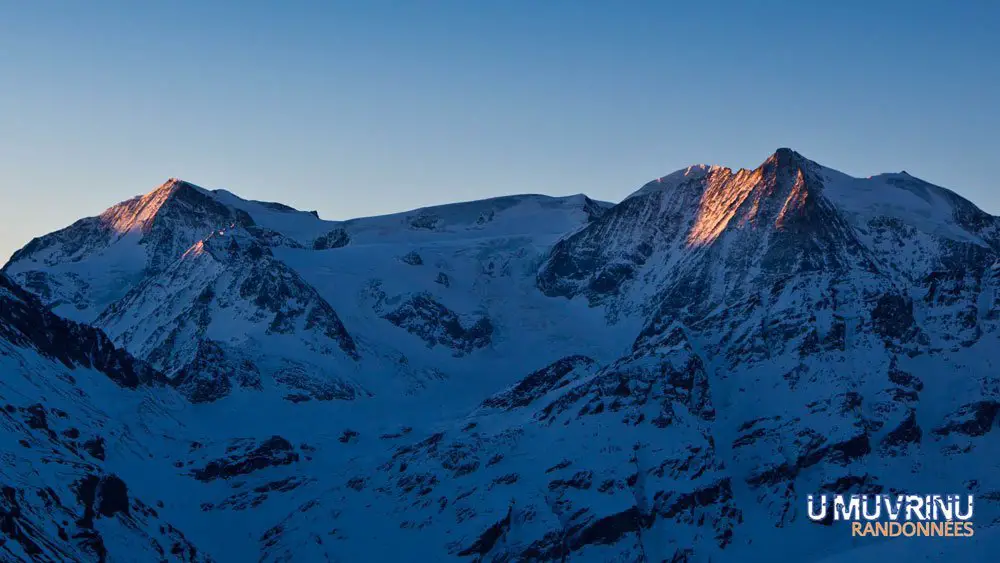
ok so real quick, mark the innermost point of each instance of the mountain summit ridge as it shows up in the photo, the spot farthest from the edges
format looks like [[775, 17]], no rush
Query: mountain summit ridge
[[788, 159]]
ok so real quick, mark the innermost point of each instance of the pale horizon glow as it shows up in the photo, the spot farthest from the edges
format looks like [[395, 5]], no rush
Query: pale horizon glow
[[360, 109]]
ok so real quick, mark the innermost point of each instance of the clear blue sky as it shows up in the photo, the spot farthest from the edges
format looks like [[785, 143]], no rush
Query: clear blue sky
[[365, 107]]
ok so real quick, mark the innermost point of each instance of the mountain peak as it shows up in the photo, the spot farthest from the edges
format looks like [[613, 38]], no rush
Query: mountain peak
[[176, 184], [784, 152], [138, 213], [784, 157]]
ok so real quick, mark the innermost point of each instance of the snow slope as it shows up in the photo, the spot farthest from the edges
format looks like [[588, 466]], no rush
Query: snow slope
[[77, 416]]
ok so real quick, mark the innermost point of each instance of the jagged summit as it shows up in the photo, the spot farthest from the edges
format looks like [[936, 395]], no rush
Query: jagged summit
[[790, 179], [174, 188], [786, 160], [779, 188], [790, 214], [784, 155], [138, 213], [174, 182], [783, 159]]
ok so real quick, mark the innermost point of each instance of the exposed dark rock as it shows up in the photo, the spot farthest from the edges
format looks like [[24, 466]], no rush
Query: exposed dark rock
[[892, 316], [402, 432], [210, 375], [486, 217], [413, 258], [561, 465], [610, 529], [11, 524], [274, 451], [974, 419], [903, 378], [489, 538], [312, 386], [815, 449], [908, 432], [24, 321], [437, 325], [337, 238], [103, 496], [508, 479], [538, 383], [95, 447], [579, 264], [36, 417], [424, 222], [581, 480]]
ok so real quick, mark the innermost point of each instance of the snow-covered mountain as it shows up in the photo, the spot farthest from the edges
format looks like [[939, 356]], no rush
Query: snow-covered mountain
[[524, 378], [70, 401]]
